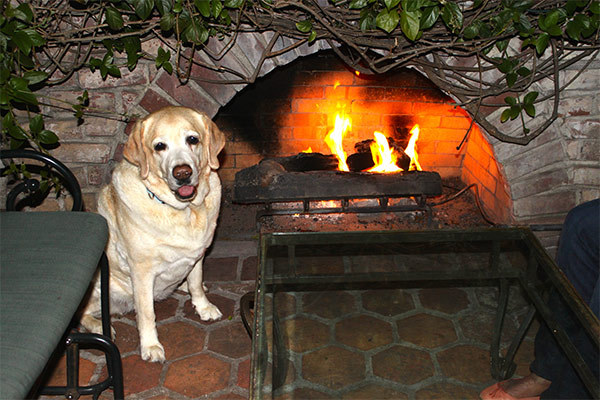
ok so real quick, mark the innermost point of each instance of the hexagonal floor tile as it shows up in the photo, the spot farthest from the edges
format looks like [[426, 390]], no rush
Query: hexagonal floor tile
[[147, 374], [388, 302], [445, 391], [197, 375], [403, 365], [181, 339], [332, 304], [333, 367], [231, 340], [466, 363], [302, 334], [373, 391], [448, 300], [364, 332], [426, 330]]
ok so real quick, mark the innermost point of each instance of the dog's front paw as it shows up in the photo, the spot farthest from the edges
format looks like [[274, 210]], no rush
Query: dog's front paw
[[153, 353], [209, 312]]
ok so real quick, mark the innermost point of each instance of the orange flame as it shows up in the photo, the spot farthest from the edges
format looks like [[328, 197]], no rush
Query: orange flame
[[309, 150], [411, 151], [383, 157], [335, 138]]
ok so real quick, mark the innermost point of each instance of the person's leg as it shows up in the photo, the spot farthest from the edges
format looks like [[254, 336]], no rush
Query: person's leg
[[578, 257]]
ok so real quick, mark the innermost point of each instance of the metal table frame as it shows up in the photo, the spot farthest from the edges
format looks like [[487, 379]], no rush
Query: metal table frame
[[538, 263]]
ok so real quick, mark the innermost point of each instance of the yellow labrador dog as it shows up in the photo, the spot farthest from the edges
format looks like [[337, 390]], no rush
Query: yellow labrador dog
[[162, 206]]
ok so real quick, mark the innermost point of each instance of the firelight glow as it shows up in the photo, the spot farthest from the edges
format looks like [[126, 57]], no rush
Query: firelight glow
[[411, 151], [335, 139], [384, 158]]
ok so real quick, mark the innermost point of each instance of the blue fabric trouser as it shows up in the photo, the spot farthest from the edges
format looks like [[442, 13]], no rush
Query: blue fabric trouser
[[578, 257]]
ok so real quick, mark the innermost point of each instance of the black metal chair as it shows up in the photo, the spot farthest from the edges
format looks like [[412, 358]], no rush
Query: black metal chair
[[47, 262]]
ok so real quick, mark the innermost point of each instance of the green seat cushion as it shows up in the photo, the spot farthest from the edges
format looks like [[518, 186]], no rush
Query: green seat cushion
[[47, 261]]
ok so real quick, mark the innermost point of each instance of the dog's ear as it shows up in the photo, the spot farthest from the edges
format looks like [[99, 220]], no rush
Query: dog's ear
[[135, 151], [215, 141]]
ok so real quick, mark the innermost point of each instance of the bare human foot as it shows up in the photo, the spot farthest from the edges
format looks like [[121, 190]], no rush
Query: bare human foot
[[530, 386]]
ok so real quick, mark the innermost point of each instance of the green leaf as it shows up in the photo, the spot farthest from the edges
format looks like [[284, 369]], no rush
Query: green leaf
[[530, 97], [357, 4], [48, 137], [541, 43], [304, 26], [410, 23], [505, 116], [22, 41], [34, 77], [36, 124], [35, 38], [113, 70], [204, 7], [471, 31], [551, 18], [514, 112], [23, 12], [429, 16], [387, 20], [524, 71], [167, 22], [143, 8], [114, 18], [167, 66], [233, 3], [312, 36], [595, 7], [506, 65], [554, 30], [511, 101], [367, 19], [502, 45], [163, 6], [390, 4], [216, 7], [452, 16], [530, 110], [195, 33], [16, 132], [511, 79]]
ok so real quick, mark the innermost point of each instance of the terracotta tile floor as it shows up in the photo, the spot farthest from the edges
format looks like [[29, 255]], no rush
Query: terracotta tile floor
[[443, 333]]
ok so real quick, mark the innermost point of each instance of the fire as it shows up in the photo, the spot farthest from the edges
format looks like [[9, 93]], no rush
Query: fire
[[309, 150], [383, 157], [335, 139], [411, 151]]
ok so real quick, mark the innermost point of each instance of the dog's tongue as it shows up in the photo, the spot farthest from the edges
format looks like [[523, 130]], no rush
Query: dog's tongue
[[186, 191]]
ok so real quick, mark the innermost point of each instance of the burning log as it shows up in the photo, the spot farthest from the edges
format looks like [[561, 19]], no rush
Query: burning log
[[269, 181], [303, 162], [362, 160]]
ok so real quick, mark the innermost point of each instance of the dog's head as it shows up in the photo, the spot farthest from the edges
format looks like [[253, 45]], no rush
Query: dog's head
[[176, 145]]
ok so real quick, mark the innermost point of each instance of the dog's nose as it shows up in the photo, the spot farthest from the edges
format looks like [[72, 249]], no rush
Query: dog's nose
[[182, 172]]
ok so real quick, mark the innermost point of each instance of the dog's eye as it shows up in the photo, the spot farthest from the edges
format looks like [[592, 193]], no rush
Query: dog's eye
[[192, 140], [160, 146]]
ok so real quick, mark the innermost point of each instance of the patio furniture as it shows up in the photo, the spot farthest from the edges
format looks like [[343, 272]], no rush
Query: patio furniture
[[47, 262]]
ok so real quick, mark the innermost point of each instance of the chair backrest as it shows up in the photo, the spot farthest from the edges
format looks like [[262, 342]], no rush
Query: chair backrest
[[31, 186]]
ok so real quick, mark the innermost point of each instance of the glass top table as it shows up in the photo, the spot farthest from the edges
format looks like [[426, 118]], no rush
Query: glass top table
[[389, 314]]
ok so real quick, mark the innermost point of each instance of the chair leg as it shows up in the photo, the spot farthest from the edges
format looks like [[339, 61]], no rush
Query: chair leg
[[103, 342], [104, 295]]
